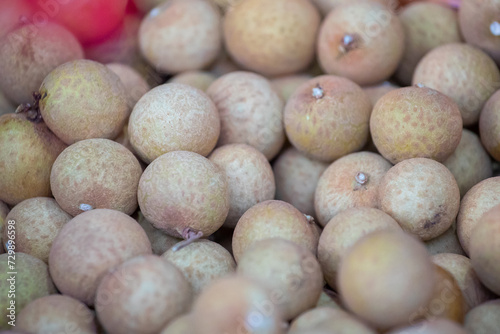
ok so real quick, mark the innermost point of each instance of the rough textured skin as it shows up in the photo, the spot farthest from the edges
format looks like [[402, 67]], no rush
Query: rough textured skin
[[489, 125], [56, 314], [464, 73], [484, 319], [160, 241], [90, 244], [475, 18], [485, 249], [285, 86], [249, 175], [4, 210], [329, 126], [333, 321], [181, 35], [339, 190], [173, 117], [83, 99], [376, 92], [273, 219], [182, 190], [27, 152], [251, 112], [343, 231], [141, 296], [26, 57], [272, 37], [399, 271], [198, 79], [445, 243], [37, 222], [202, 262], [432, 326], [460, 268], [236, 305], [426, 26], [289, 271], [415, 122], [469, 164], [296, 179], [32, 281], [379, 37], [479, 199], [98, 172], [180, 325], [135, 85]]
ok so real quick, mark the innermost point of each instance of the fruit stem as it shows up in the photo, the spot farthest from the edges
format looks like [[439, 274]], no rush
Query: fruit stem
[[86, 207], [310, 219], [495, 28], [317, 92], [189, 235], [361, 178], [349, 42], [32, 111]]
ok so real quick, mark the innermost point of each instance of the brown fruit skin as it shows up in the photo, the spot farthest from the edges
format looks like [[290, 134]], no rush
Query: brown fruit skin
[[141, 295], [180, 325], [69, 112], [489, 126], [377, 91], [485, 249], [445, 243], [286, 85], [296, 179], [182, 190], [236, 304], [415, 122], [98, 172], [378, 54], [312, 318], [27, 152], [334, 321], [272, 37], [180, 35], [475, 18], [273, 219], [426, 26], [432, 326], [197, 79], [464, 73], [160, 241], [484, 319], [249, 175], [422, 195], [332, 125], [4, 211], [86, 247], [173, 117], [56, 314], [27, 57], [343, 231], [251, 112], [135, 85], [470, 164], [37, 221], [326, 6], [460, 268], [400, 272], [479, 199]]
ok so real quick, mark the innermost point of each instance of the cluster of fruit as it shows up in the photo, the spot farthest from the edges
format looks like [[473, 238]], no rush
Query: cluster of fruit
[[250, 166]]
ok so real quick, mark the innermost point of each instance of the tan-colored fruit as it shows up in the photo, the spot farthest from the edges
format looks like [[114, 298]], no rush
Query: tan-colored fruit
[[328, 117], [464, 73], [173, 117], [86, 247], [37, 220], [223, 65], [351, 181], [160, 241], [141, 295], [426, 26], [460, 268], [326, 6], [31, 52], [180, 325], [312, 318], [273, 219], [398, 271], [445, 243], [291, 272], [484, 319], [236, 305], [251, 112], [377, 91], [361, 41], [343, 231], [183, 193], [124, 139], [422, 195], [4, 211], [469, 164], [296, 179], [479, 199], [181, 35], [27, 149], [285, 86], [432, 326], [201, 262], [56, 314], [198, 79], [335, 321], [415, 122], [135, 85], [249, 175], [272, 37], [489, 125]]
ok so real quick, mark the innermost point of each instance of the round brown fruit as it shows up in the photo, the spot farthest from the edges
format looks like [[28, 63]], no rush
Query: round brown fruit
[[198, 79], [445, 243], [326, 6], [311, 318], [377, 91], [286, 85], [432, 326], [338, 322], [135, 85], [4, 211], [160, 241], [180, 325], [489, 125], [483, 319]]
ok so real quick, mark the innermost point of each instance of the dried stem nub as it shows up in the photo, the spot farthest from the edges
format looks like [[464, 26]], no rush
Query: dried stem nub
[[361, 178], [189, 235], [32, 111]]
